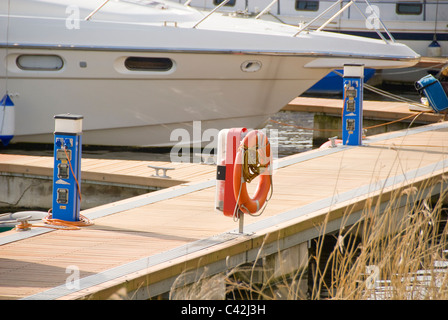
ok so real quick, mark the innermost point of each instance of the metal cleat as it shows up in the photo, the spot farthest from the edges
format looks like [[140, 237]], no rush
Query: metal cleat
[[23, 224], [333, 141], [164, 169]]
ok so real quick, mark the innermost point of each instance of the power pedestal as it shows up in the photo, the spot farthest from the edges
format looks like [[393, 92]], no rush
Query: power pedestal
[[353, 100], [67, 167]]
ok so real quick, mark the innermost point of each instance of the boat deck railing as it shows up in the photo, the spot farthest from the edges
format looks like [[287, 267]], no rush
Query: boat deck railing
[[210, 13], [307, 26]]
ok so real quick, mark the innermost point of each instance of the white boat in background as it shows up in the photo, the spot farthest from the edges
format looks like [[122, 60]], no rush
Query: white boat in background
[[420, 24], [416, 23], [139, 69]]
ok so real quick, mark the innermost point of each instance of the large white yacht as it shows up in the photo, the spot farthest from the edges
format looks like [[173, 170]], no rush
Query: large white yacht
[[139, 69], [420, 24]]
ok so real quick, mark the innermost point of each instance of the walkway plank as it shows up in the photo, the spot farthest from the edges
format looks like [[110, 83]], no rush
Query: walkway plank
[[33, 265]]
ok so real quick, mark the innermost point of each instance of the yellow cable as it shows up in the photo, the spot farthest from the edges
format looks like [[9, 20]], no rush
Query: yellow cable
[[58, 223], [371, 127], [74, 176]]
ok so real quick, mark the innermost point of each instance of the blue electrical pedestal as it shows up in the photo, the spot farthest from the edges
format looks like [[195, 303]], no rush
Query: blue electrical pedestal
[[67, 167], [353, 98]]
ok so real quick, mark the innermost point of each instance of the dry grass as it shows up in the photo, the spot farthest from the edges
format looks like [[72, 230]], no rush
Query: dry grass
[[393, 255], [397, 253]]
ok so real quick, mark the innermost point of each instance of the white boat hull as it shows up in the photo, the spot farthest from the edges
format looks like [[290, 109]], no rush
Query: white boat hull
[[225, 73], [133, 110], [415, 29]]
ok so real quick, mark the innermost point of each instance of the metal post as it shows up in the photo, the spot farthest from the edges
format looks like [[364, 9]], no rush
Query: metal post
[[334, 16], [96, 10], [266, 9], [211, 12], [241, 223], [353, 99], [318, 17], [67, 167]]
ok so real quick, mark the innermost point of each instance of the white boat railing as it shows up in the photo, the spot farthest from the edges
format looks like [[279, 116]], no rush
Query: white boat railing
[[301, 29], [266, 9], [340, 11], [187, 3], [210, 13], [96, 10], [335, 15]]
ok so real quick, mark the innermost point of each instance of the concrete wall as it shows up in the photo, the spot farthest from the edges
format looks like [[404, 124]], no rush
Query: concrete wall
[[324, 125], [29, 191]]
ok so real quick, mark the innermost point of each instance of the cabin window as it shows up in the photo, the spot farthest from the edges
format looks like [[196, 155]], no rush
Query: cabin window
[[39, 62], [148, 64], [410, 8], [231, 3], [307, 5]]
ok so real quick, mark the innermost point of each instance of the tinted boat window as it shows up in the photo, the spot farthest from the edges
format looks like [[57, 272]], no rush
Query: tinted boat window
[[231, 3], [307, 5], [409, 8], [148, 64]]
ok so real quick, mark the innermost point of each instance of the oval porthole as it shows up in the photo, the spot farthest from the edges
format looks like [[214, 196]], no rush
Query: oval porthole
[[148, 64], [251, 66], [39, 62]]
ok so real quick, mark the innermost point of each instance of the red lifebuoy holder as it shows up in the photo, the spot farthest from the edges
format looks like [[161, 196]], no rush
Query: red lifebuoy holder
[[253, 159], [229, 141]]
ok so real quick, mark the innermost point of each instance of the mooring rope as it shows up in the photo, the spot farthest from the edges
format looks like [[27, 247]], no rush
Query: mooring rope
[[333, 130], [377, 91]]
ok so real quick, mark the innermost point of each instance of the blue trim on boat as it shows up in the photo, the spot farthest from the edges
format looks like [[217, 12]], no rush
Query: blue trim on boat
[[419, 36]]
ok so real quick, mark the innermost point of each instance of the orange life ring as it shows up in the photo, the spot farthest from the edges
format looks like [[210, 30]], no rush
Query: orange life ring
[[255, 140]]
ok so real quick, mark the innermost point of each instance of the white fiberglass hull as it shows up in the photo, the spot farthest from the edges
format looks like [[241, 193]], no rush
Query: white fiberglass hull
[[143, 111], [224, 73]]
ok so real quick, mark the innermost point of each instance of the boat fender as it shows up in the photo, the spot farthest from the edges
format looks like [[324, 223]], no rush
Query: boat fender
[[7, 120], [253, 159]]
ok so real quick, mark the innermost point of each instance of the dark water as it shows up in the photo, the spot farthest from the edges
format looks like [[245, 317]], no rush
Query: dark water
[[291, 140], [292, 137]]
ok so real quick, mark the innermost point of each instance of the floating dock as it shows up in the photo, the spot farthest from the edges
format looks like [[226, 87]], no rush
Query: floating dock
[[142, 245], [26, 181], [372, 110]]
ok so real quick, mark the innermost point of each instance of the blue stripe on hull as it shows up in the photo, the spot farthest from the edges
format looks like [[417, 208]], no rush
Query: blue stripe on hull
[[400, 35], [333, 83]]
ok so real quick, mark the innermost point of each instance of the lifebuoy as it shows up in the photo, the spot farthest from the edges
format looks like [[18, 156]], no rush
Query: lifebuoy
[[253, 159]]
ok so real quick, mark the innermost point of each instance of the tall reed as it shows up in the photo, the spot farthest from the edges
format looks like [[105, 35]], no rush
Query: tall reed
[[397, 252]]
